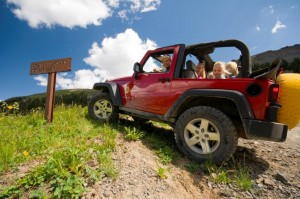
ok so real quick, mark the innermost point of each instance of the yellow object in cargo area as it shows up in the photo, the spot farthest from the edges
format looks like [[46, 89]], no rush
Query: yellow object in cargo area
[[289, 98]]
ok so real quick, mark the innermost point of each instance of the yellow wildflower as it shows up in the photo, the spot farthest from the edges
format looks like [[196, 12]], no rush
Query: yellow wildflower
[[10, 107], [25, 153]]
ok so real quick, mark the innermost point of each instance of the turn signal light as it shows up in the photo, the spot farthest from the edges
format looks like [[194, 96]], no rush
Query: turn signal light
[[273, 93]]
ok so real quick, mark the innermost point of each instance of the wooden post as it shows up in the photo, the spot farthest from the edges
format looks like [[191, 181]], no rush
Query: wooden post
[[50, 97], [50, 67]]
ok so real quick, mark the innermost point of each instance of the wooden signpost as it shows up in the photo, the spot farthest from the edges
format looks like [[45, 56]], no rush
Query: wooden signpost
[[51, 67]]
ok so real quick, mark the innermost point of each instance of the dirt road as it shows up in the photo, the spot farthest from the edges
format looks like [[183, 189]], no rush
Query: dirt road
[[274, 169]]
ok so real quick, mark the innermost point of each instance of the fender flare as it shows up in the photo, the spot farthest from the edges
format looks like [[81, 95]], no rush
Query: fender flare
[[237, 97], [112, 89]]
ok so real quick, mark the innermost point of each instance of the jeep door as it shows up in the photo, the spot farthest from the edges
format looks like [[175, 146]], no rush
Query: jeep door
[[150, 91]]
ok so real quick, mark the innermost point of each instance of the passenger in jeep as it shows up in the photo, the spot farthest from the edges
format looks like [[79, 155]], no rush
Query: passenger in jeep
[[219, 71], [200, 70], [232, 68], [166, 63]]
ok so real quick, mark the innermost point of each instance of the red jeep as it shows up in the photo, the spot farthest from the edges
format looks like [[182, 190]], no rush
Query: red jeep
[[208, 115]]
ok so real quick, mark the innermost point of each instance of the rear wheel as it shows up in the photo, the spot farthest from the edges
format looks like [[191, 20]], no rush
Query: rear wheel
[[206, 133], [102, 109]]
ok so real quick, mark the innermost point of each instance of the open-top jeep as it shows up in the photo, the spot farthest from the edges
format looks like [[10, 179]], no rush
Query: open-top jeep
[[208, 115]]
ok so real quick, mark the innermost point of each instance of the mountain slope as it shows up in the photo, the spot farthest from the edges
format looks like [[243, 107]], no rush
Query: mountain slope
[[288, 53]]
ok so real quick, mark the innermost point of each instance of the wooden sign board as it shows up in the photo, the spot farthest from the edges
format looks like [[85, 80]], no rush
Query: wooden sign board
[[50, 67]]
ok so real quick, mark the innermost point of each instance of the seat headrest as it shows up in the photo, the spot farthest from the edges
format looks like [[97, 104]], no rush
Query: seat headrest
[[190, 65]]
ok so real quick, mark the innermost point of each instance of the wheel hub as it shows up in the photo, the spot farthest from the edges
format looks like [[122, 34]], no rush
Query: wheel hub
[[103, 109], [202, 136]]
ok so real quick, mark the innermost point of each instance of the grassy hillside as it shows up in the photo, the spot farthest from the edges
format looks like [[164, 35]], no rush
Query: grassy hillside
[[67, 97], [63, 159], [64, 153]]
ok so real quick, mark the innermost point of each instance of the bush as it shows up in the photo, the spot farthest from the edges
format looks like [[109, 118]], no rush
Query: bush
[[79, 97]]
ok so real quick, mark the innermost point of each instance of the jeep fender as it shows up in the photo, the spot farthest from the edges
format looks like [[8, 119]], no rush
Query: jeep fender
[[112, 89], [238, 98]]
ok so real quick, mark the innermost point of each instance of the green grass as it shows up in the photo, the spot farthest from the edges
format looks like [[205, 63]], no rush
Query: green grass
[[162, 172], [68, 149], [229, 173], [64, 148], [161, 140], [133, 134], [69, 97], [193, 167], [243, 179]]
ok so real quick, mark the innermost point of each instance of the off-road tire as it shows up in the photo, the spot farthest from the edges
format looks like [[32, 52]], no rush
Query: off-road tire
[[289, 95], [203, 126], [101, 108]]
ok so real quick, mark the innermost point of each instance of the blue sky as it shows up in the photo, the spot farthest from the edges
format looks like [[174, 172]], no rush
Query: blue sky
[[105, 37]]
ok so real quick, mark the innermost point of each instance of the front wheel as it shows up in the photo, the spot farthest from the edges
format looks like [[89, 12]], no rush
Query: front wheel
[[205, 133], [102, 108]]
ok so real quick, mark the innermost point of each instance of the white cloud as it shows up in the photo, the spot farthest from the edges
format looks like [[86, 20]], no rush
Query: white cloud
[[268, 11], [42, 80], [123, 14], [66, 13], [150, 5], [257, 28], [278, 26], [135, 5], [113, 3], [144, 5], [84, 78], [271, 9], [114, 58], [117, 55], [253, 48], [77, 13]]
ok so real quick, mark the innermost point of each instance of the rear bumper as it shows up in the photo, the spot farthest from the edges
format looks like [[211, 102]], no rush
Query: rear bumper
[[264, 130]]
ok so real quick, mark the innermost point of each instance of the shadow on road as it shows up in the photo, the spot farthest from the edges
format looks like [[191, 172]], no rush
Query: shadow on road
[[243, 156]]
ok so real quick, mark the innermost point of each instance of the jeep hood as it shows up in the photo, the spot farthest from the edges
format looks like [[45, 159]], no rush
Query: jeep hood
[[127, 78]]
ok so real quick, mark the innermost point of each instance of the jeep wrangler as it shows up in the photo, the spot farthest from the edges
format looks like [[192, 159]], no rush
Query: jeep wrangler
[[207, 115]]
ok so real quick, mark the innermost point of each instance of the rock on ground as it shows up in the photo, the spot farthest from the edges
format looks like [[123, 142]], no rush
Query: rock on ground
[[274, 171]]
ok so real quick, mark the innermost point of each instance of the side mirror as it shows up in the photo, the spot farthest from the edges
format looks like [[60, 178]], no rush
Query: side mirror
[[137, 68]]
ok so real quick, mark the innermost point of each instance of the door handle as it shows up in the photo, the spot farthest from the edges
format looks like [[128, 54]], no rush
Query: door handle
[[163, 80]]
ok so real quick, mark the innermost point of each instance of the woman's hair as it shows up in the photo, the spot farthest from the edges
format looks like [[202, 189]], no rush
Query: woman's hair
[[233, 65], [222, 64], [202, 64]]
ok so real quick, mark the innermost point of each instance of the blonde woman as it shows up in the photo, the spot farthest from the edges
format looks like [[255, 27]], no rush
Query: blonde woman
[[219, 71], [232, 68], [200, 70]]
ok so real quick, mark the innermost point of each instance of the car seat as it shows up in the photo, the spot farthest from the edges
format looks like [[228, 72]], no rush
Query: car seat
[[189, 71]]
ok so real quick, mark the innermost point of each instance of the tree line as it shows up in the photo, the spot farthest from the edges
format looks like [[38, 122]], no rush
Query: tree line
[[293, 66], [25, 104]]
